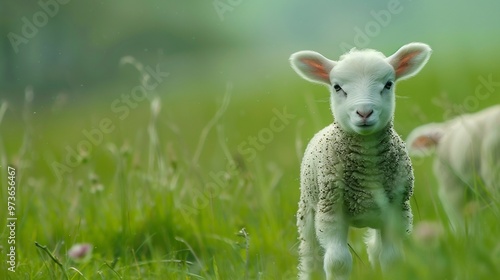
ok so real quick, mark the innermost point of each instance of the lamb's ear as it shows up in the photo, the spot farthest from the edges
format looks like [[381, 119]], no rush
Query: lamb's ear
[[409, 59], [312, 66], [424, 139]]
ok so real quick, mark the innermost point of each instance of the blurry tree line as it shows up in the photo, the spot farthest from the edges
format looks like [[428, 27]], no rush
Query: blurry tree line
[[63, 44]]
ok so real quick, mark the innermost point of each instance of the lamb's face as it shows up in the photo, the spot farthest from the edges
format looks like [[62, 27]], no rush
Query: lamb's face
[[362, 92], [362, 82]]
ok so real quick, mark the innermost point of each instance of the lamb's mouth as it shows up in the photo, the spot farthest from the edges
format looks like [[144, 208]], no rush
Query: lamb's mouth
[[365, 125]]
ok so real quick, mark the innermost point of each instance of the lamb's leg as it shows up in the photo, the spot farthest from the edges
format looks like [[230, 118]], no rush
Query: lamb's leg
[[451, 194], [310, 259], [383, 249], [332, 235], [374, 246], [384, 245], [490, 166], [453, 200], [390, 250]]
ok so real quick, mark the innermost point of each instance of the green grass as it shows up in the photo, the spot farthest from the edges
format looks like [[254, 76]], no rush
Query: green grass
[[174, 197]]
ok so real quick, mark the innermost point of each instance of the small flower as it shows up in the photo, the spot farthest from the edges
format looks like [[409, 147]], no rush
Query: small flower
[[96, 185], [80, 252], [95, 188]]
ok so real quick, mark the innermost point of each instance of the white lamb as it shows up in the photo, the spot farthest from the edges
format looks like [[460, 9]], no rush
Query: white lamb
[[467, 163], [356, 171]]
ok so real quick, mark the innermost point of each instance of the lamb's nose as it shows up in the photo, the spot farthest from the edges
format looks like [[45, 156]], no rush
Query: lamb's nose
[[364, 114]]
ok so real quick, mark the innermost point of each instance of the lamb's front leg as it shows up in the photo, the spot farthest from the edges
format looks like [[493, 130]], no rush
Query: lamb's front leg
[[310, 262], [332, 230], [451, 192], [383, 249], [385, 245]]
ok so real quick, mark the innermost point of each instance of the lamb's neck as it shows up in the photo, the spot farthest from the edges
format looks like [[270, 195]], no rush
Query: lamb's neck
[[366, 158], [371, 144]]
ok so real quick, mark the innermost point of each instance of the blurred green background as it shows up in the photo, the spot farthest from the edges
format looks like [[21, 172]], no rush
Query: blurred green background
[[219, 72]]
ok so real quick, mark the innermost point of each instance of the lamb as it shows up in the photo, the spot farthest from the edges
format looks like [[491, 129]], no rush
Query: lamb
[[356, 172], [467, 163]]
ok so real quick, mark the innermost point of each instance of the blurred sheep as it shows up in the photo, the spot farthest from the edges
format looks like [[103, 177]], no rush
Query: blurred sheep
[[467, 162]]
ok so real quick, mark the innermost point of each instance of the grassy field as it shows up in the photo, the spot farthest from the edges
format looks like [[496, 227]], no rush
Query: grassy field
[[202, 182]]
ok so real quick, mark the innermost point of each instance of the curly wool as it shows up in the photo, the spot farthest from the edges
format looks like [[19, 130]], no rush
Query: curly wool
[[366, 175]]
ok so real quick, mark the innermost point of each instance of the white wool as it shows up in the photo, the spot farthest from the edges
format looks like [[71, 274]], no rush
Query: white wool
[[356, 172]]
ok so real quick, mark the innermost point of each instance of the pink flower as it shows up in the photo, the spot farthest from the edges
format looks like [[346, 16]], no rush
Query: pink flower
[[80, 252]]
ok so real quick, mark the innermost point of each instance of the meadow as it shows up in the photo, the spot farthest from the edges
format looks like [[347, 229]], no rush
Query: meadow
[[201, 181]]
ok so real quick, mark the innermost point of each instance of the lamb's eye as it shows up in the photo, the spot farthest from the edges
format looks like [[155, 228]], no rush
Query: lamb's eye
[[337, 88], [388, 85]]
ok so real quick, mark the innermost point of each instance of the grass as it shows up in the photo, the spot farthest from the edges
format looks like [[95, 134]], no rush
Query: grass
[[184, 193]]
